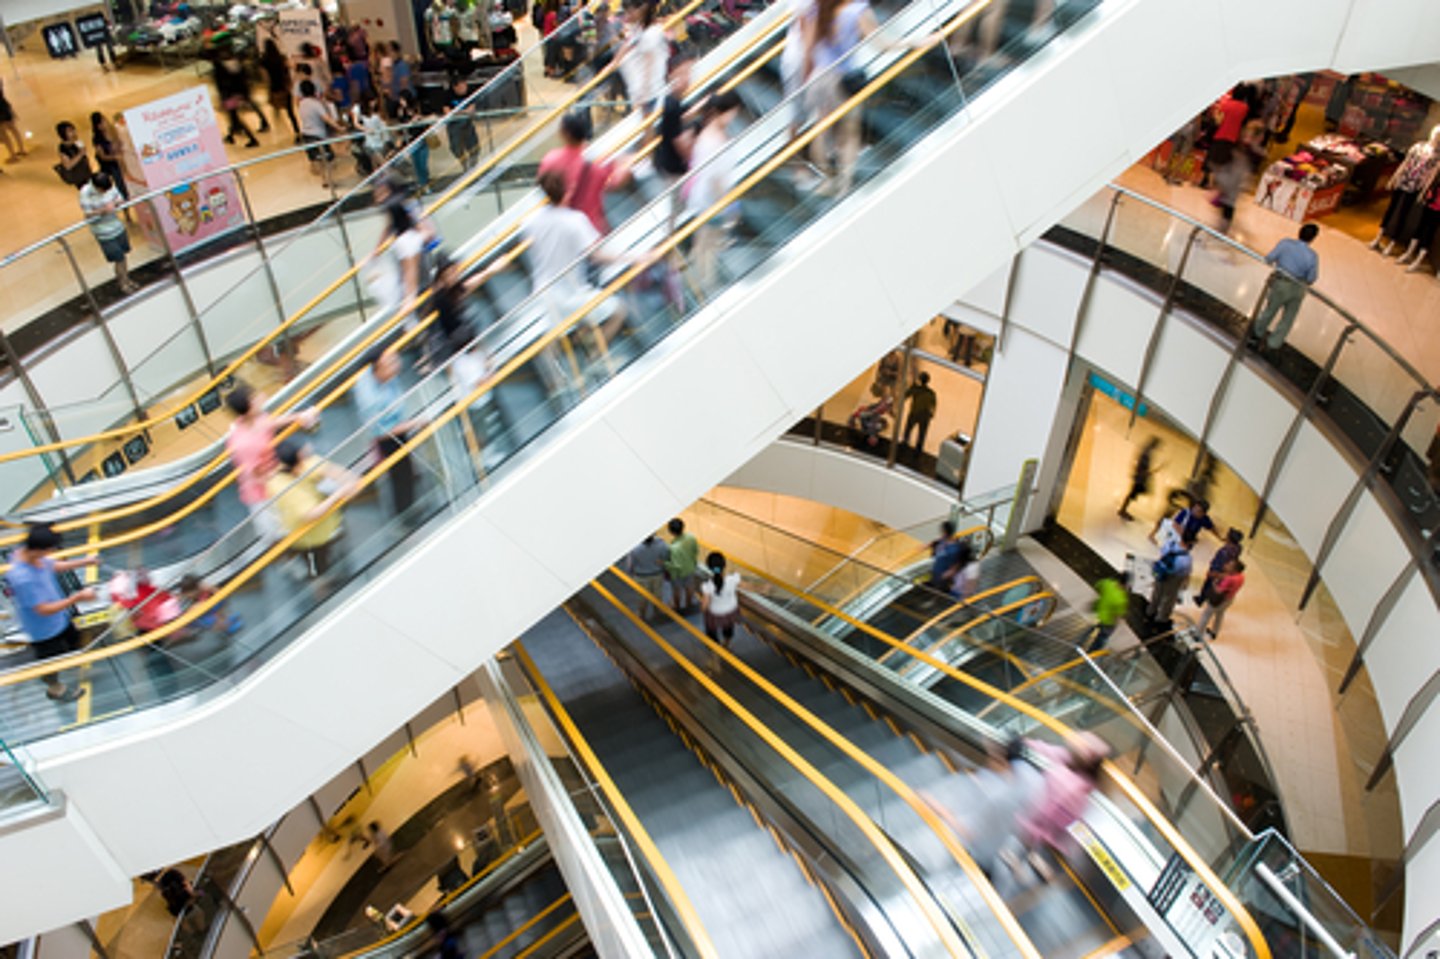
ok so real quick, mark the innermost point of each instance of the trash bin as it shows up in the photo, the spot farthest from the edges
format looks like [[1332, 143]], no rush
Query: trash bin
[[953, 459]]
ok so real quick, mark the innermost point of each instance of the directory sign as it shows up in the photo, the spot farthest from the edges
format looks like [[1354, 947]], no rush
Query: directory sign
[[94, 29], [179, 145]]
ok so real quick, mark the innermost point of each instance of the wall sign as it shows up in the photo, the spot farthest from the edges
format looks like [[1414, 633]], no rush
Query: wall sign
[[60, 40]]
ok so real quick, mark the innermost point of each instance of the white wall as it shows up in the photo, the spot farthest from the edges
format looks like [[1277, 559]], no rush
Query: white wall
[[171, 783]]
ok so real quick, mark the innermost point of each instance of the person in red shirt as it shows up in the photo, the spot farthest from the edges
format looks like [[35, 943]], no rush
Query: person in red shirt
[[1229, 114], [585, 180]]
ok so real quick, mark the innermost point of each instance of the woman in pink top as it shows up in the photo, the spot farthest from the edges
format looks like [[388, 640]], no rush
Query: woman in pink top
[[1070, 778], [251, 445]]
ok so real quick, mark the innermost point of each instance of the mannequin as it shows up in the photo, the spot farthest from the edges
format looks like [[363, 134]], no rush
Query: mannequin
[[440, 25], [1414, 258], [1407, 186]]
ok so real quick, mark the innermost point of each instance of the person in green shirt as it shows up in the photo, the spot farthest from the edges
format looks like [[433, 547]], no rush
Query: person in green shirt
[[680, 568], [1112, 602], [922, 402]]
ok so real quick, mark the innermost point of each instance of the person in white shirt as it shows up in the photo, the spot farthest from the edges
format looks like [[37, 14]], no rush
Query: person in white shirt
[[317, 123], [720, 600], [561, 241], [99, 200], [641, 61], [712, 174]]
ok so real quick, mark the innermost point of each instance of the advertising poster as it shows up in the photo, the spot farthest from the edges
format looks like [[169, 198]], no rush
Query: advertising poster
[[292, 29], [178, 143]]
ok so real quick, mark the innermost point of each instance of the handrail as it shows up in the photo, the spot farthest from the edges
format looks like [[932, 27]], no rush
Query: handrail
[[984, 617], [664, 874], [1192, 858], [894, 783], [536, 347], [1256, 255], [290, 403], [480, 169], [525, 926], [914, 555], [967, 602], [883, 844], [518, 847]]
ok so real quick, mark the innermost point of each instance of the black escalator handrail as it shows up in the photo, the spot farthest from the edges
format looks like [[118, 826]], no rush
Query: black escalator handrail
[[523, 357], [664, 874], [924, 899], [894, 783], [1167, 830]]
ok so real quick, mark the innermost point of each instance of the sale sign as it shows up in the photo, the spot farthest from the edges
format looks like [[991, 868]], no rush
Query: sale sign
[[179, 146]]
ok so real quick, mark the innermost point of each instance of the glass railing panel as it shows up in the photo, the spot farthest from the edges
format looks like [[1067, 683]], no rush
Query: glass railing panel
[[20, 785]]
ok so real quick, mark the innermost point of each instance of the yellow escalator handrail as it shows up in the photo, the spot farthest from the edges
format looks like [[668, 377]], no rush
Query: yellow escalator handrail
[[1167, 830], [883, 844], [989, 615], [170, 519], [536, 347], [380, 330], [664, 874], [525, 926], [912, 557], [455, 188], [540, 943], [449, 897], [967, 602], [894, 783]]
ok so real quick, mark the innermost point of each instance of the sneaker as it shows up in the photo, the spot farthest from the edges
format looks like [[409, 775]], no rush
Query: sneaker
[[68, 696]]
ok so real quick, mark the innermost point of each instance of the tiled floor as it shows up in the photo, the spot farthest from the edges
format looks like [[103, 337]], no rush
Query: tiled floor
[[1322, 749]]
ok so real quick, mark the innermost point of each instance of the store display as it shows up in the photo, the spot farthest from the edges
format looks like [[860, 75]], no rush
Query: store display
[[1411, 181], [1315, 179]]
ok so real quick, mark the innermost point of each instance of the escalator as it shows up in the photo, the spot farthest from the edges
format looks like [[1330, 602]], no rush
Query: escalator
[[1065, 920]]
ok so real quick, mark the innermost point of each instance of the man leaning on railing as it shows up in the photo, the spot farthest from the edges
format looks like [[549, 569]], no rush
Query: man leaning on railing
[[1296, 267]]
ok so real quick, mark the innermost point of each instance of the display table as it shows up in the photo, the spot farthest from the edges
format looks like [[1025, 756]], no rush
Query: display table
[[1315, 179]]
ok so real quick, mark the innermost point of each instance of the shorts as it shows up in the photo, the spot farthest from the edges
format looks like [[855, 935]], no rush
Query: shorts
[[722, 624], [566, 305], [115, 247], [652, 583], [317, 154]]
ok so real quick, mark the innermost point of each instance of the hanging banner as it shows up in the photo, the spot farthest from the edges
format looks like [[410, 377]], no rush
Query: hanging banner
[[179, 146]]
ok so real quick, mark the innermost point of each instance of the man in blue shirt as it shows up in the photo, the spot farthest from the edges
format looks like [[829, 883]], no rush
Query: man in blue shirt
[[43, 607], [381, 399], [1296, 267]]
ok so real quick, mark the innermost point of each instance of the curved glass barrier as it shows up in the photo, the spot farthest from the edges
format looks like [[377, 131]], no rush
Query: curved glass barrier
[[203, 472], [1371, 395], [471, 429], [282, 312]]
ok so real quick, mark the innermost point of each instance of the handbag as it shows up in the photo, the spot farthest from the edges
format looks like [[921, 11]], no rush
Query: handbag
[[77, 175]]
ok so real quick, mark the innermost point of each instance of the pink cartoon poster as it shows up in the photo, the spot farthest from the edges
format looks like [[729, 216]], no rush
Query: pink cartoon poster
[[178, 142]]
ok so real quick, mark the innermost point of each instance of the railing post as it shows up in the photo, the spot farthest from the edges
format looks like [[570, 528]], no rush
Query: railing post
[[1083, 306], [264, 257], [274, 858], [46, 420], [1312, 399], [1342, 516], [104, 329], [350, 256], [1154, 342], [184, 291]]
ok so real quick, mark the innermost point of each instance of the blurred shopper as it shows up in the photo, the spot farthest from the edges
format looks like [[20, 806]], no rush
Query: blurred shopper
[[301, 504], [1227, 116], [395, 276], [1112, 603], [1142, 474], [1171, 572], [277, 83], [232, 85], [452, 330], [318, 122], [9, 132], [381, 400], [712, 175], [460, 125], [921, 403], [680, 568], [1003, 785], [1188, 523], [1221, 594], [251, 445], [1071, 775], [411, 138], [646, 565], [42, 606], [105, 141], [720, 600], [641, 60], [193, 591], [947, 555], [586, 180], [100, 201], [1228, 551], [1296, 267], [444, 942], [380, 844], [672, 153], [74, 166]]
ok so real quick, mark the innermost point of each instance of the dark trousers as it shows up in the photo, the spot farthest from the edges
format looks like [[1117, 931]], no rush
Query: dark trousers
[[402, 474], [63, 642], [912, 423]]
